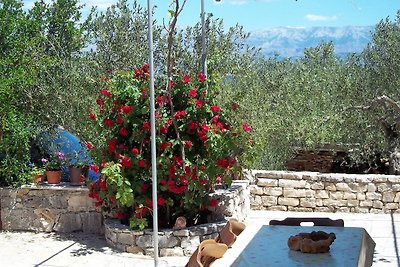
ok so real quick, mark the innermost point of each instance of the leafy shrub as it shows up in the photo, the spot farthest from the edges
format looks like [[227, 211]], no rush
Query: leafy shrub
[[198, 146]]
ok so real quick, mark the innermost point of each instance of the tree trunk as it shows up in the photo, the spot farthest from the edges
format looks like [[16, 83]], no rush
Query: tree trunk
[[394, 167]]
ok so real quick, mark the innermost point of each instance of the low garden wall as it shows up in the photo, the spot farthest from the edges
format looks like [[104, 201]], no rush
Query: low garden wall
[[65, 208], [44, 208], [324, 192]]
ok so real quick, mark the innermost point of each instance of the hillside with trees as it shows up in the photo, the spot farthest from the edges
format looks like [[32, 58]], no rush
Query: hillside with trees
[[52, 61]]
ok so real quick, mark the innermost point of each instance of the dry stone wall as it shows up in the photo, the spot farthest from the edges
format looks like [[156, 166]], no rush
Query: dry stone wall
[[324, 192], [43, 208]]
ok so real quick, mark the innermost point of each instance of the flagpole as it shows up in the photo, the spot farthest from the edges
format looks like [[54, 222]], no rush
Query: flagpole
[[153, 134]]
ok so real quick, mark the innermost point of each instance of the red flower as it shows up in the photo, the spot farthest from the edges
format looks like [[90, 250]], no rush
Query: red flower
[[202, 77], [95, 168], [193, 93], [160, 201], [159, 100], [141, 163], [188, 144], [215, 119], [165, 145], [213, 202], [126, 109], [183, 180], [179, 113], [203, 182], [145, 68], [102, 184], [193, 125], [99, 101], [121, 215], [89, 146], [112, 144], [144, 92], [123, 131], [199, 103], [223, 163], [177, 160], [120, 120], [135, 151], [92, 116], [215, 109], [108, 122], [186, 79], [126, 162], [146, 125], [137, 73], [204, 127], [246, 127], [163, 182], [106, 93], [143, 188], [149, 203], [164, 129]]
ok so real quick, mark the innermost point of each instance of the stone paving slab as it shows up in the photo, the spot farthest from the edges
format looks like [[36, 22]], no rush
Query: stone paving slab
[[69, 250], [28, 249]]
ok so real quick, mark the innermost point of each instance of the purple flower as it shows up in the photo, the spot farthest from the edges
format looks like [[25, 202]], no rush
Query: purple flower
[[60, 155], [44, 161]]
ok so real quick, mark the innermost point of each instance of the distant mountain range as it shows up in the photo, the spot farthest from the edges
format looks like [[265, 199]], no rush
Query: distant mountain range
[[291, 41]]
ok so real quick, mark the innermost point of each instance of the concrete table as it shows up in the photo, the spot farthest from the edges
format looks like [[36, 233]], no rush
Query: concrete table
[[265, 245]]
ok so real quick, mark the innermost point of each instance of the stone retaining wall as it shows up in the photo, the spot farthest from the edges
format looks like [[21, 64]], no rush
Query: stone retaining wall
[[324, 192], [170, 242], [43, 208], [232, 203]]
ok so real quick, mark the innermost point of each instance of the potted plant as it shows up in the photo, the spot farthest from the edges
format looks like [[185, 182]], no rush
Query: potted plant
[[76, 173], [78, 166], [53, 165], [37, 174], [198, 146]]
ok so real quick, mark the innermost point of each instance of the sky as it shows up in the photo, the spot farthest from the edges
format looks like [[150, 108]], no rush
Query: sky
[[256, 15]]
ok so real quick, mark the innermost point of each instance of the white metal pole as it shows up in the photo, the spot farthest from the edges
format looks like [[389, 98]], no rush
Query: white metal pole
[[153, 134], [203, 41]]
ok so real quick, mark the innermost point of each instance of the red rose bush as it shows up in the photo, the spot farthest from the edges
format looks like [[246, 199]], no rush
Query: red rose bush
[[198, 147]]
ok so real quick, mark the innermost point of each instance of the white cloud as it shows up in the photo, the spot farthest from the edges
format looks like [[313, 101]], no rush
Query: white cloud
[[100, 4], [313, 17]]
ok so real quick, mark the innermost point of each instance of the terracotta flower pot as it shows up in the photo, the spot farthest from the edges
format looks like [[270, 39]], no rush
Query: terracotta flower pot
[[75, 174], [53, 177], [38, 178]]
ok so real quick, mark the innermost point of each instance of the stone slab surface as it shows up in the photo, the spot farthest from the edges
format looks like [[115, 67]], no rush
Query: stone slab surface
[[79, 249]]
